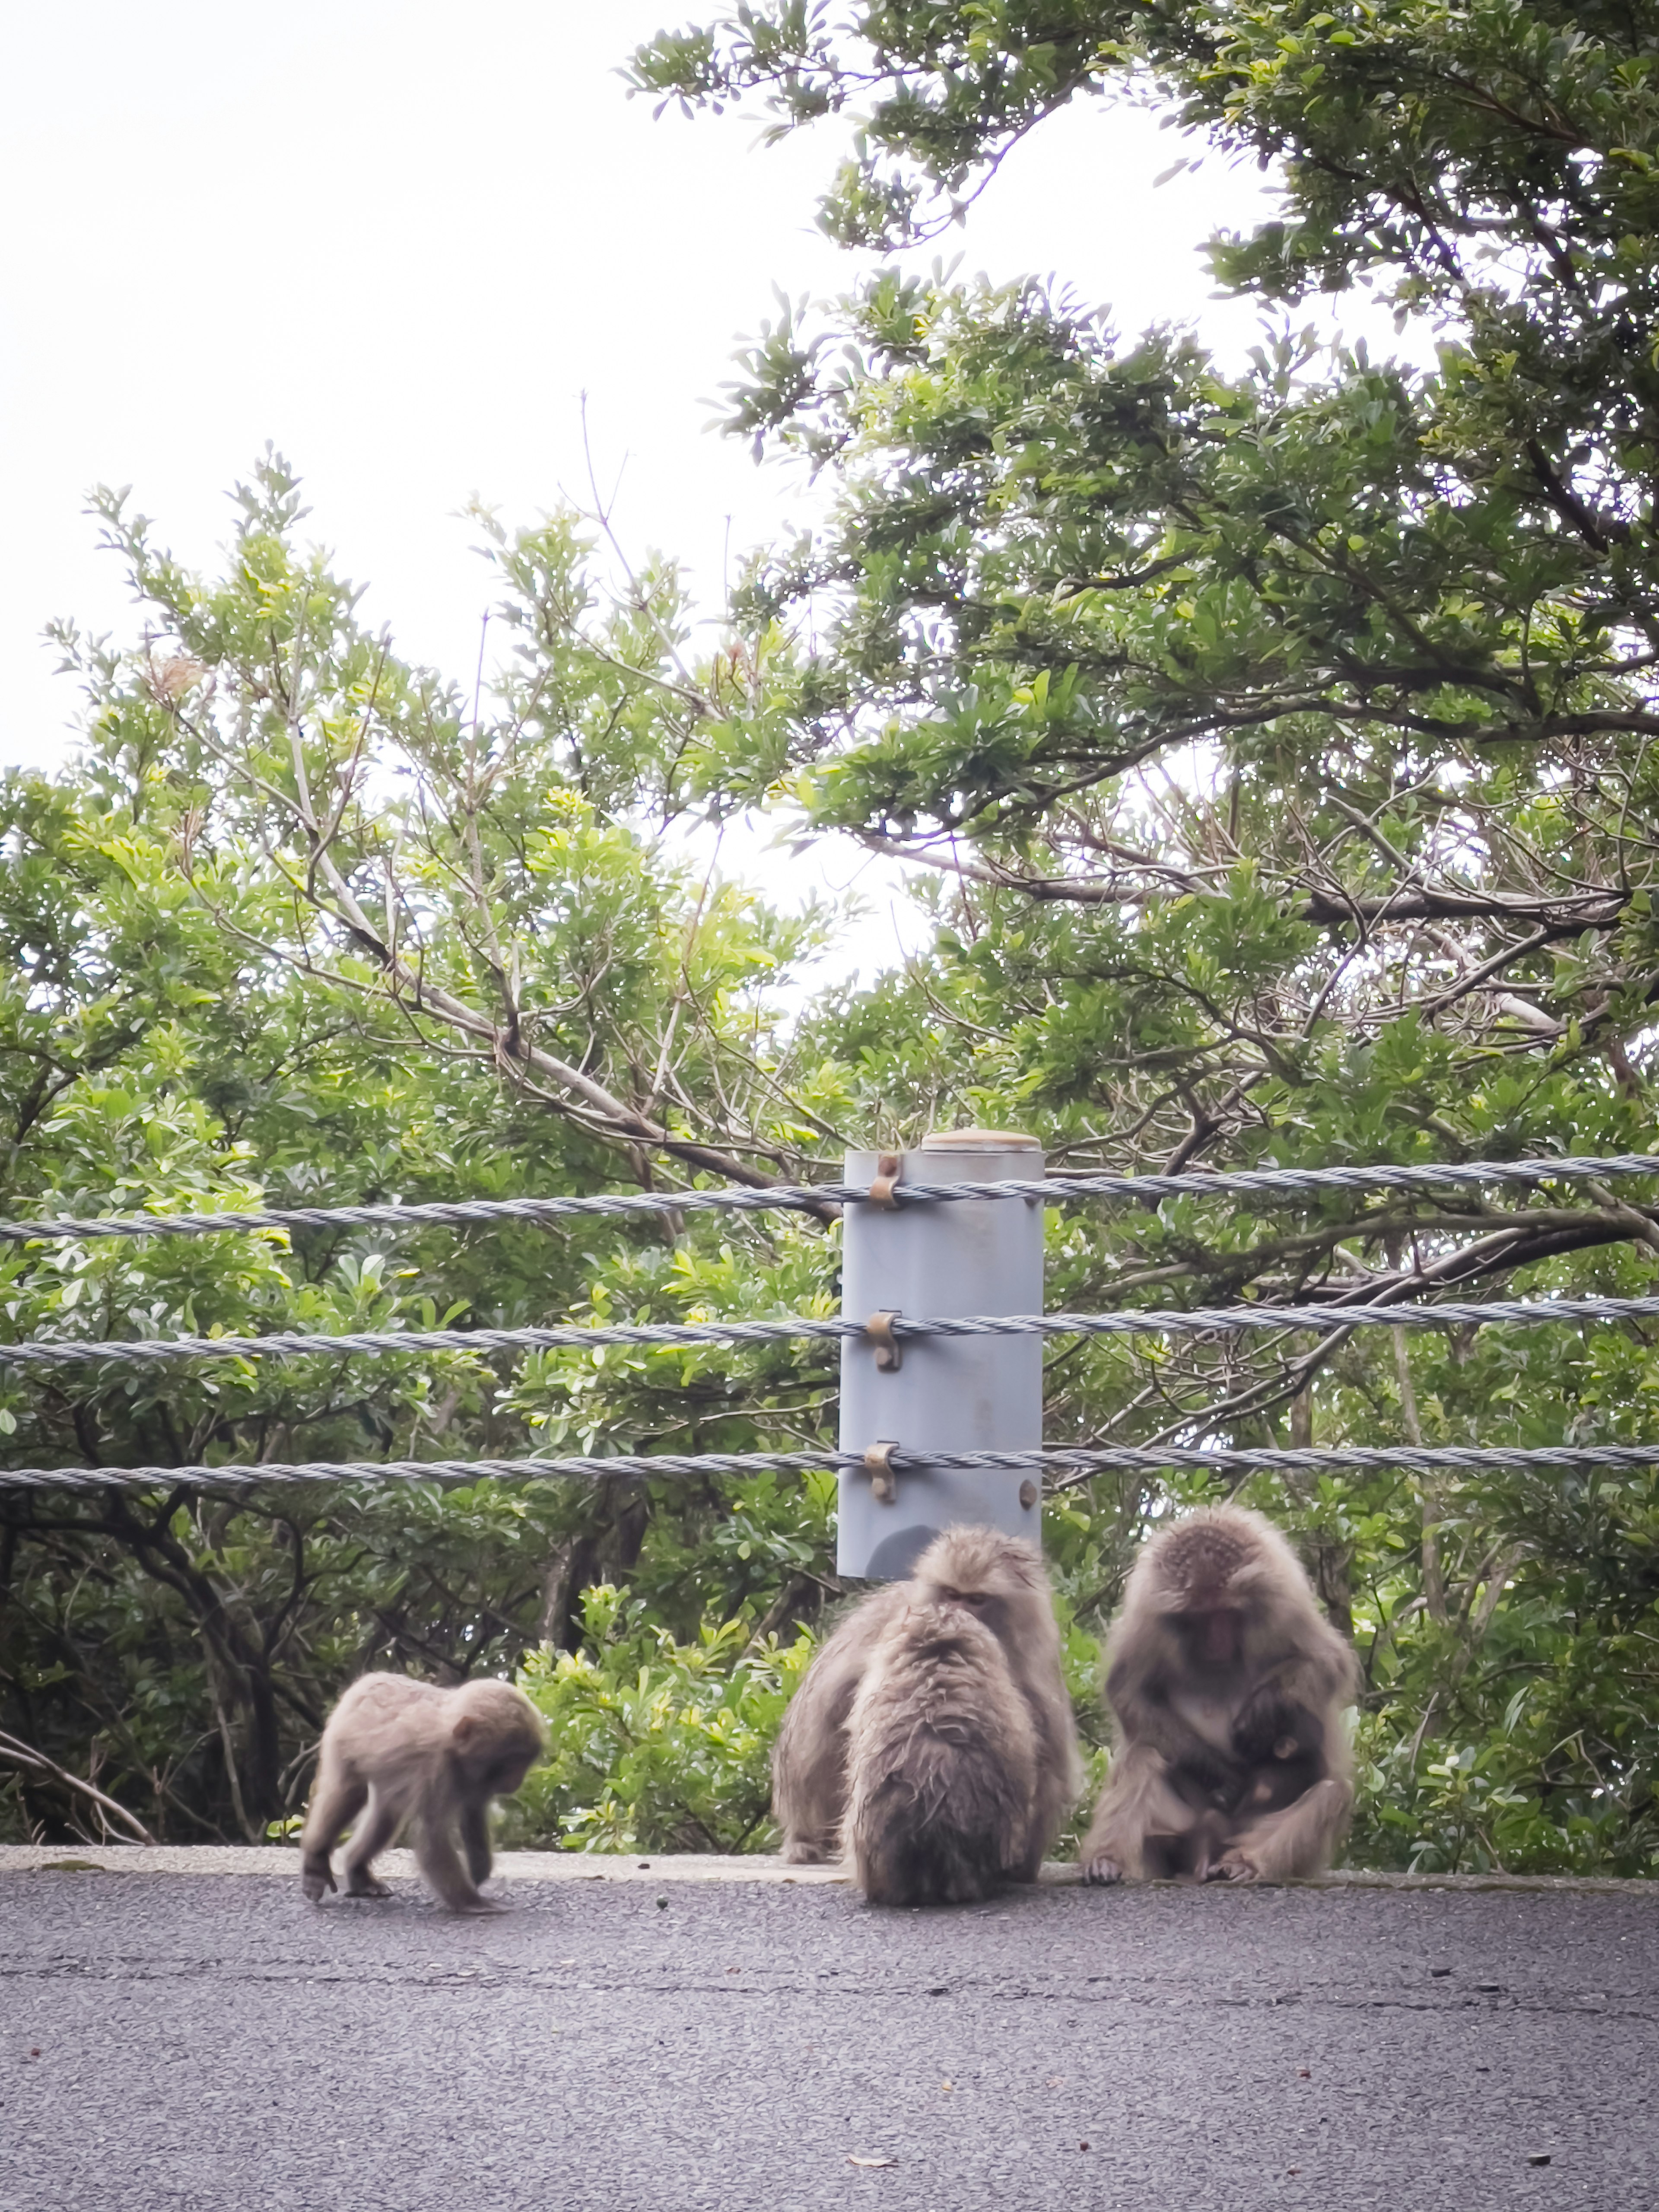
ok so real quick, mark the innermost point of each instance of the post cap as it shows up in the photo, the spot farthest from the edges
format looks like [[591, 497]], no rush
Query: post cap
[[980, 1140]]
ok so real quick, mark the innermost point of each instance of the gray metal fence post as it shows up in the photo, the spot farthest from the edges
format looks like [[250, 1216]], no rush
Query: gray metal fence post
[[960, 1256]]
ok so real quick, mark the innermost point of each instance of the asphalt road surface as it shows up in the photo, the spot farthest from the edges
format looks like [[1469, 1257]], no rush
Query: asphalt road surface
[[172, 2043]]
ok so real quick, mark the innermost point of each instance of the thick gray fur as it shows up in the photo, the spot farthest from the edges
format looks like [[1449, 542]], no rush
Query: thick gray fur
[[968, 1580], [1181, 1725]]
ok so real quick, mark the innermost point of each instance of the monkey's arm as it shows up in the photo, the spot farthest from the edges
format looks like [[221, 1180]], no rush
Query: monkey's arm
[[809, 1760], [1139, 1695], [316, 1876], [1137, 1803], [441, 1862], [475, 1841], [336, 1798], [1302, 1839]]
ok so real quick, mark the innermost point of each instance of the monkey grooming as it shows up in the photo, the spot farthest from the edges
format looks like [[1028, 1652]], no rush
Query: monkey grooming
[[933, 1738]]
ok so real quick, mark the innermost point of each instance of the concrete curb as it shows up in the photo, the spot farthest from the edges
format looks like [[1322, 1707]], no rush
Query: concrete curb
[[283, 1861], [765, 1868]]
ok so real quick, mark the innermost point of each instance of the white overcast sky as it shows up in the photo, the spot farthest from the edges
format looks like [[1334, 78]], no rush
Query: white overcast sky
[[402, 241]]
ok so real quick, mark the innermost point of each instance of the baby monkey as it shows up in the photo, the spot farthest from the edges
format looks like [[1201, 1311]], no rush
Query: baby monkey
[[1268, 1771], [398, 1752]]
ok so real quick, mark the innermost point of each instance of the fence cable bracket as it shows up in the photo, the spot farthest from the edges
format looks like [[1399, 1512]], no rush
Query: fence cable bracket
[[889, 1167], [884, 1475], [889, 1352]]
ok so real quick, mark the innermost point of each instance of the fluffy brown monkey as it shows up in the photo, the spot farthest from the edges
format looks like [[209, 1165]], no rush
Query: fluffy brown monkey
[[409, 1752], [1227, 1685], [967, 1577], [942, 1767]]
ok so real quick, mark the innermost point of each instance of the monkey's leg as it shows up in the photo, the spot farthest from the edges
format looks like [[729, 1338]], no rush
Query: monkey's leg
[[1029, 1865], [336, 1798], [368, 1839], [1298, 1840], [809, 1794], [475, 1842], [821, 1848], [441, 1862], [1136, 1802]]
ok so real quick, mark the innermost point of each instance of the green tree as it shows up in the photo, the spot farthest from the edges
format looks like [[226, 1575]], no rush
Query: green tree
[[1281, 745], [1277, 747], [301, 922]]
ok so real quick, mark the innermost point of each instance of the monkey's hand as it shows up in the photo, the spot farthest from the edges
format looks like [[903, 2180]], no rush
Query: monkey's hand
[[1231, 1866], [316, 1876], [366, 1885], [1270, 1727], [1101, 1870]]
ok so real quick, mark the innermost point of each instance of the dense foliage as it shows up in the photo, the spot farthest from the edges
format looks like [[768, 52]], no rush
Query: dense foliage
[[1281, 742], [302, 921], [1277, 748]]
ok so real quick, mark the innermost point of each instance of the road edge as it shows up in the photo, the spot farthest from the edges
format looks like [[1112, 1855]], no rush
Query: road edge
[[282, 1861]]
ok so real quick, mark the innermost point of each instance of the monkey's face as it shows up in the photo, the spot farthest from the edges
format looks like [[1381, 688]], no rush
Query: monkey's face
[[1212, 1637], [985, 1606], [507, 1776], [493, 1762], [493, 1775]]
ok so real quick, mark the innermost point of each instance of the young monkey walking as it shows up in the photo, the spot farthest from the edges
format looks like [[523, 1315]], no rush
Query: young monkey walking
[[1227, 1685], [396, 1752]]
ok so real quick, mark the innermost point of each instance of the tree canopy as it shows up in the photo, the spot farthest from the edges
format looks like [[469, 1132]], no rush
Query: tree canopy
[[1281, 740], [1274, 745]]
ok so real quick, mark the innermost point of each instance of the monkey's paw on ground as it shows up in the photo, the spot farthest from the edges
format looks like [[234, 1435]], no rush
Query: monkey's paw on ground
[[1233, 1866], [371, 1890], [1100, 1870]]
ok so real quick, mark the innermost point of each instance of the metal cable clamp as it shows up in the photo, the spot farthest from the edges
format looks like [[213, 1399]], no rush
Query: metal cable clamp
[[889, 1352], [884, 1475], [889, 1167]]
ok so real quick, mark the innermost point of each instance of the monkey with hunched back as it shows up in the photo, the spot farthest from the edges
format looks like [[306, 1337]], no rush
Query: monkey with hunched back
[[396, 1752], [932, 1739], [1227, 1685], [941, 1762]]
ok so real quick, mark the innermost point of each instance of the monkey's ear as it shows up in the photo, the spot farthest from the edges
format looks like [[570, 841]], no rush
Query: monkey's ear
[[467, 1727]]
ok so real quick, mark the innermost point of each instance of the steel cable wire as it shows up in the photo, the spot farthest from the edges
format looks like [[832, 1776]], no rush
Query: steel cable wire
[[1088, 1458], [1199, 1321], [1251, 1182]]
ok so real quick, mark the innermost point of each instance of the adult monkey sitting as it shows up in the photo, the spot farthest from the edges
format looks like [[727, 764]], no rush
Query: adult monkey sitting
[[1223, 1673], [932, 1735]]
